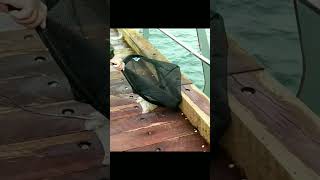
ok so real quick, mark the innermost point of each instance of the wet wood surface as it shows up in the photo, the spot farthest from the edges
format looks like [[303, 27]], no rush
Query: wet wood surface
[[33, 144], [159, 130]]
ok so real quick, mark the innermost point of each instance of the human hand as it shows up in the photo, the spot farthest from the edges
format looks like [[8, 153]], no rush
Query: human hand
[[117, 63], [31, 13]]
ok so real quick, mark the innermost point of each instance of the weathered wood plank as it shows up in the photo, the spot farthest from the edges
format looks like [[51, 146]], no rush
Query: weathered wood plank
[[122, 100], [32, 64], [131, 122], [125, 111], [33, 91], [273, 126], [98, 173], [29, 148], [149, 135], [50, 157], [20, 42], [18, 125], [195, 114], [197, 97], [196, 106], [119, 85], [188, 143]]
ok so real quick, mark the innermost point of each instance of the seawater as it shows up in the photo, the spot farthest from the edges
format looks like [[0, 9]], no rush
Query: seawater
[[267, 29]]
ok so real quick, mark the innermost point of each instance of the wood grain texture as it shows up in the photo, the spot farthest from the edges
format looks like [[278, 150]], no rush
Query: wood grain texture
[[298, 131], [273, 126], [197, 97], [98, 173], [50, 157], [139, 121], [152, 134], [119, 84], [188, 143], [18, 125], [20, 42], [33, 90], [38, 63]]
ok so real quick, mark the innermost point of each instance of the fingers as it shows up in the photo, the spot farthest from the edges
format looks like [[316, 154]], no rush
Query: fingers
[[29, 20], [41, 20], [31, 16]]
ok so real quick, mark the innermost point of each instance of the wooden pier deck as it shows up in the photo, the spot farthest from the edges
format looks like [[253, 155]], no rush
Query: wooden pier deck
[[34, 146], [159, 130]]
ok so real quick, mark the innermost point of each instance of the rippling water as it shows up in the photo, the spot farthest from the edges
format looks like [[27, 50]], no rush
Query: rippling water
[[268, 30], [190, 65]]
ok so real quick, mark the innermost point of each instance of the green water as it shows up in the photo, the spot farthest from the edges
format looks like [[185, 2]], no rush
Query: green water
[[189, 64], [267, 29]]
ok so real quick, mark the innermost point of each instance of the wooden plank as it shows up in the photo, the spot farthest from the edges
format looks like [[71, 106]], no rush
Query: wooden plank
[[197, 97], [20, 42], [33, 91], [239, 61], [31, 64], [119, 85], [188, 143], [99, 173], [126, 117], [149, 135], [270, 124], [29, 148], [18, 125], [196, 107], [122, 99], [196, 116], [125, 111], [50, 157], [129, 121]]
